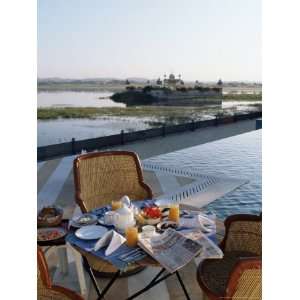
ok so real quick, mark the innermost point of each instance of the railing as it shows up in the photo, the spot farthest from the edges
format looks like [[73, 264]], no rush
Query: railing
[[74, 147]]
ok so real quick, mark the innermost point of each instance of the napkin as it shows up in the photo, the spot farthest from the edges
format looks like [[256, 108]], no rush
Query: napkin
[[112, 239]]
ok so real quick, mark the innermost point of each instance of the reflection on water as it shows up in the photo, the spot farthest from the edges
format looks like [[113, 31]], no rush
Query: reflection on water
[[238, 156], [59, 131], [76, 99]]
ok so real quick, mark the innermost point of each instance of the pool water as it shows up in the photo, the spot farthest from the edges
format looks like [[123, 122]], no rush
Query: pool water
[[237, 157]]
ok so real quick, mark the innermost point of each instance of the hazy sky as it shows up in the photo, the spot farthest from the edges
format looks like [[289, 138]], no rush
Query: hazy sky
[[200, 39]]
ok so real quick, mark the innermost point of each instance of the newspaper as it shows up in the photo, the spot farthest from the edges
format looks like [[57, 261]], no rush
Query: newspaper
[[209, 250], [173, 250]]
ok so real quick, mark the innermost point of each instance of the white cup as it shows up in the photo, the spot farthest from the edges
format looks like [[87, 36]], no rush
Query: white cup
[[148, 230], [109, 217]]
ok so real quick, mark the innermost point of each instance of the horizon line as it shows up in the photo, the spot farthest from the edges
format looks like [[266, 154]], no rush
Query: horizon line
[[140, 78]]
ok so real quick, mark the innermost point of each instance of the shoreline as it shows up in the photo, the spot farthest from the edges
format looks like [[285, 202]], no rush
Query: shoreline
[[161, 113]]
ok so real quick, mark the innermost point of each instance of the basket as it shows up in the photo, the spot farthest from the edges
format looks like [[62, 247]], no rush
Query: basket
[[50, 216]]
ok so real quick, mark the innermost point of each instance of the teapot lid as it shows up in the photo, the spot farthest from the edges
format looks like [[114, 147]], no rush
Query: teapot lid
[[126, 200]]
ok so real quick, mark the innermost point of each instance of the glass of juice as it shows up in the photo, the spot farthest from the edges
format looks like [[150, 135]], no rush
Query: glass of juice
[[116, 204], [174, 213], [131, 234]]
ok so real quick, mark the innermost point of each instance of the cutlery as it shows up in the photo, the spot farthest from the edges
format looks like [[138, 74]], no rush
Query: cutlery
[[132, 257], [135, 251]]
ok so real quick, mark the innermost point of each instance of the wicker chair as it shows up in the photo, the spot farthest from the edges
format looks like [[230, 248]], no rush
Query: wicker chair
[[101, 177], [45, 289], [238, 274], [105, 176]]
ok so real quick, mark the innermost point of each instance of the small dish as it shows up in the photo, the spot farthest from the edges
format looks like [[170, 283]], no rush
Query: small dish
[[90, 232], [162, 226], [50, 234], [84, 220]]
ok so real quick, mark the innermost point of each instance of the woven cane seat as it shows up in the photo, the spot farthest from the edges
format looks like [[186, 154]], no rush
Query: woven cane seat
[[214, 273]]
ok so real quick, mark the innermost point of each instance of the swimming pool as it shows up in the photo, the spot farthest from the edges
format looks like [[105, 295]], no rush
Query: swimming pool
[[238, 157]]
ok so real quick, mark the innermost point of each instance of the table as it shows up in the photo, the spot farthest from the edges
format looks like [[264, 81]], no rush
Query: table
[[147, 261]]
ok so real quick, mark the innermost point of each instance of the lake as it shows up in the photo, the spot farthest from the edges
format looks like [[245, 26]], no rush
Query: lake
[[63, 130], [76, 99]]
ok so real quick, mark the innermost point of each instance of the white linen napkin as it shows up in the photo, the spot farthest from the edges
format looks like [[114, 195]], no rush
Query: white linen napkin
[[111, 238]]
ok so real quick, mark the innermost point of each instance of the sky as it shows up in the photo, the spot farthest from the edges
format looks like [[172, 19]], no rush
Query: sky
[[200, 39]]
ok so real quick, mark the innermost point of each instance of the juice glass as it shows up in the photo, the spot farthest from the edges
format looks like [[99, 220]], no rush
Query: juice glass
[[131, 234], [174, 213], [116, 204]]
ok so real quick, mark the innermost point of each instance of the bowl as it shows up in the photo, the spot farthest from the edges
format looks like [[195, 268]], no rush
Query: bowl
[[49, 216], [151, 221]]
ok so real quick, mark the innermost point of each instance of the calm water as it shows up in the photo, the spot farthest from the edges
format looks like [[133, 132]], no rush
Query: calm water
[[76, 99], [237, 157], [58, 131]]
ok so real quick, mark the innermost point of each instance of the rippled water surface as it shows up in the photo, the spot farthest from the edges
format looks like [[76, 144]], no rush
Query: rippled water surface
[[238, 156]]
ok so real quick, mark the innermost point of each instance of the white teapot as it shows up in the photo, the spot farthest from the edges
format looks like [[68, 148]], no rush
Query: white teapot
[[123, 218], [126, 201]]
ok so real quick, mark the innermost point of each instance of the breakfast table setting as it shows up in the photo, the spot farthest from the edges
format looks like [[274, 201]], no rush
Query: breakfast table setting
[[113, 233]]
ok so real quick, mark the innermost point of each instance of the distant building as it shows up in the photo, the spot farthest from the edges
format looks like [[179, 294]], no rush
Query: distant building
[[172, 82]]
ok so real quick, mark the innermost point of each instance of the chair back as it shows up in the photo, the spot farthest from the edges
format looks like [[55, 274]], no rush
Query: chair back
[[243, 233], [105, 176]]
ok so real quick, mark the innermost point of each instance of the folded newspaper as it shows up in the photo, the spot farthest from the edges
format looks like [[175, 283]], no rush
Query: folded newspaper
[[174, 249]]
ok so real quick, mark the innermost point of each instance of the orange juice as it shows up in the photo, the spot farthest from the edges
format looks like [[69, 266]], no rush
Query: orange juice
[[131, 234], [174, 213], [116, 204]]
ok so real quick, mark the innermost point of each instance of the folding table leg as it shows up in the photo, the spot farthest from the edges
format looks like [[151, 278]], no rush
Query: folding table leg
[[157, 276], [182, 285], [100, 293], [156, 280], [89, 270]]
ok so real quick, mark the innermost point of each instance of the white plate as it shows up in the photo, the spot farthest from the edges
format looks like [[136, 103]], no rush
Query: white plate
[[90, 232]]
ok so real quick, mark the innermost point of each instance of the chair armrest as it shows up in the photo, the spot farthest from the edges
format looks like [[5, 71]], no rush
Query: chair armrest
[[240, 228], [69, 293], [148, 189], [245, 279]]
